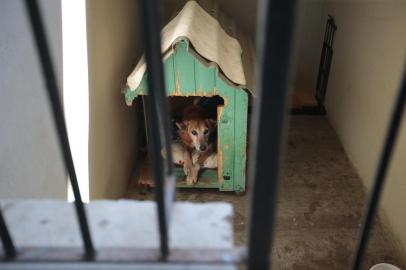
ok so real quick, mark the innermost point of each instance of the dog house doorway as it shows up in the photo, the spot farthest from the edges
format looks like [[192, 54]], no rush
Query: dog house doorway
[[208, 177]]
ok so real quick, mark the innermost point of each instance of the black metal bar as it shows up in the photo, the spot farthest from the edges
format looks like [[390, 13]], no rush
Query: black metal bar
[[321, 69], [157, 118], [275, 32], [326, 32], [53, 95], [325, 63], [334, 28], [330, 43], [325, 75], [157, 167], [384, 161], [8, 246]]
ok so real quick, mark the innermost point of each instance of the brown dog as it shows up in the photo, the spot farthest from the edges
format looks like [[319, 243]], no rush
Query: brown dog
[[194, 131]]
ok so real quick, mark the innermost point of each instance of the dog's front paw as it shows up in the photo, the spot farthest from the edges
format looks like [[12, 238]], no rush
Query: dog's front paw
[[189, 180], [195, 172], [187, 168]]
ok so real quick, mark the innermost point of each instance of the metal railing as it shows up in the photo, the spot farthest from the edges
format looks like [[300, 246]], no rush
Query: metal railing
[[325, 63], [275, 32], [48, 74]]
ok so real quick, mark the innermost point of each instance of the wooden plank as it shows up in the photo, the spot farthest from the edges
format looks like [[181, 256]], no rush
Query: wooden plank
[[142, 89], [184, 70], [205, 78], [169, 73], [240, 141], [129, 96], [226, 135]]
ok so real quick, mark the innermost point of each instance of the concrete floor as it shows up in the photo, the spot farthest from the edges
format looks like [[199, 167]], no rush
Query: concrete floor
[[319, 206]]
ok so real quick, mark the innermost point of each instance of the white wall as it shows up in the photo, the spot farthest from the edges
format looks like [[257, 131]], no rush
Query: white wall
[[30, 160], [113, 49], [368, 62]]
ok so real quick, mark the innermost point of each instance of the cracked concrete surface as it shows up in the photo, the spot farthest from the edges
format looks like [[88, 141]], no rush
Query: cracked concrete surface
[[320, 204]]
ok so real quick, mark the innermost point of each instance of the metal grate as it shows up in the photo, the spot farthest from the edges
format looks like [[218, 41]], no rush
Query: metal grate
[[325, 63], [275, 30]]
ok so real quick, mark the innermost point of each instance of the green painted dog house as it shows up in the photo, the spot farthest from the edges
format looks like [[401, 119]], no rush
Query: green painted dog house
[[188, 74]]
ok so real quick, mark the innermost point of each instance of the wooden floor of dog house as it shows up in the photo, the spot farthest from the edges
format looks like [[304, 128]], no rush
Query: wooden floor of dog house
[[207, 177]]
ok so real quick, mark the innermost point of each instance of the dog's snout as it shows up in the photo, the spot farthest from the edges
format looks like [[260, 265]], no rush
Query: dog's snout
[[203, 148]]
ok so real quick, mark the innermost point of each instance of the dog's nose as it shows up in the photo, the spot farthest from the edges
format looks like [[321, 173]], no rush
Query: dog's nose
[[203, 148]]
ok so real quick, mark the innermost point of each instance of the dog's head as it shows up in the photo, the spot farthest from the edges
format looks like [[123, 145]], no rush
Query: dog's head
[[196, 133]]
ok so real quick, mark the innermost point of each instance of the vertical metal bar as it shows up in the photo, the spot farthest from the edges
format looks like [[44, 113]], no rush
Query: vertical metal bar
[[8, 245], [325, 62], [333, 28], [326, 32], [380, 174], [157, 120], [330, 43], [275, 31], [149, 25], [53, 95], [326, 73], [320, 74], [330, 33]]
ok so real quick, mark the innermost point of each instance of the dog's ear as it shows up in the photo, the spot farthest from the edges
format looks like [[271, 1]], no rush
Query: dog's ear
[[211, 123], [181, 125]]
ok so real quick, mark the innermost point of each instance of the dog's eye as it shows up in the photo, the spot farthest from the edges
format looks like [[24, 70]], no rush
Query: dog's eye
[[205, 131], [194, 132]]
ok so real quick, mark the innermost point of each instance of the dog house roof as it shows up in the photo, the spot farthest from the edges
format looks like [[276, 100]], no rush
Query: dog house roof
[[214, 37]]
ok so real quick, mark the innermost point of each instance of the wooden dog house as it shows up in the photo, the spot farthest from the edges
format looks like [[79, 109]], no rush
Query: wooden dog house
[[192, 69]]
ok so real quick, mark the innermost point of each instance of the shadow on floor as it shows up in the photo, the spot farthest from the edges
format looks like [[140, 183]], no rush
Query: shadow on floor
[[319, 205]]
